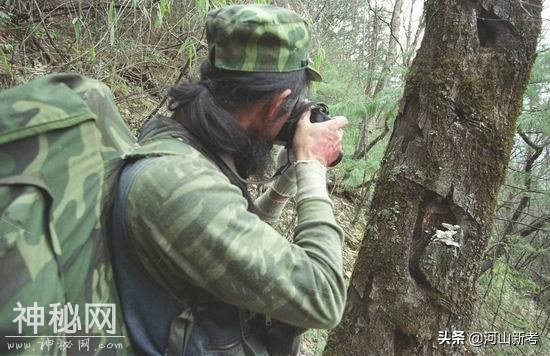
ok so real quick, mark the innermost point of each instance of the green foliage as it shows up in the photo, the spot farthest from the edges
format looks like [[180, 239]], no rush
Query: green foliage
[[143, 10], [112, 21], [509, 306], [163, 9], [4, 64], [536, 109], [357, 172], [92, 54], [319, 57], [4, 18], [524, 246], [188, 47], [203, 6], [343, 89], [77, 27], [316, 340]]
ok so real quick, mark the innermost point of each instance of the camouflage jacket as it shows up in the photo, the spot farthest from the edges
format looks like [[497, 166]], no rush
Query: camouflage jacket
[[189, 227]]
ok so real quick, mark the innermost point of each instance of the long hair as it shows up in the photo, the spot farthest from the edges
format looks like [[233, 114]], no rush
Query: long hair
[[204, 107]]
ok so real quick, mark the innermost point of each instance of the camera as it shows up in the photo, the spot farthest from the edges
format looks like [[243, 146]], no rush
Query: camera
[[319, 113]]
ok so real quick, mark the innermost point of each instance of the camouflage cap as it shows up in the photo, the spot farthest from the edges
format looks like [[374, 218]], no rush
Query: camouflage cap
[[258, 38]]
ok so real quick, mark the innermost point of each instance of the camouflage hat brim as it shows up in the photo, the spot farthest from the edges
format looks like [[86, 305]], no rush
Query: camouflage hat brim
[[314, 74]]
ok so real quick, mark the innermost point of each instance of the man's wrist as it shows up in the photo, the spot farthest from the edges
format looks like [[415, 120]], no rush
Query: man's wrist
[[285, 185], [270, 205], [311, 180]]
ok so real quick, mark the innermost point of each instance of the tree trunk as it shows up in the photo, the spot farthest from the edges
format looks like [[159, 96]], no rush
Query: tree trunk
[[373, 48], [411, 46], [445, 163], [395, 26], [385, 70], [408, 33], [371, 67], [363, 140]]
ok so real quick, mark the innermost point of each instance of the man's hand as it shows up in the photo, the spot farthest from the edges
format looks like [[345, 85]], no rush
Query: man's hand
[[318, 141]]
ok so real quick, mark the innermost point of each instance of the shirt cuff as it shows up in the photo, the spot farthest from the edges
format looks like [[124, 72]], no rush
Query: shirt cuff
[[311, 180]]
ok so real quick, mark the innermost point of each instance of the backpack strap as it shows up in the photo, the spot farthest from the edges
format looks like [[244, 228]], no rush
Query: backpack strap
[[154, 148], [149, 325], [151, 313], [159, 137]]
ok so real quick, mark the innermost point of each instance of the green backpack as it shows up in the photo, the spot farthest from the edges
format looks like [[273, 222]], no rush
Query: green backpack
[[62, 146]]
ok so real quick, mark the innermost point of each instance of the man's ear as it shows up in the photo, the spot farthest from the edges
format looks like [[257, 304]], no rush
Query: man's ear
[[274, 105]]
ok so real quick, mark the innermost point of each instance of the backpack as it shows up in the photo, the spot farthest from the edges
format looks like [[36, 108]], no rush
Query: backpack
[[62, 146]]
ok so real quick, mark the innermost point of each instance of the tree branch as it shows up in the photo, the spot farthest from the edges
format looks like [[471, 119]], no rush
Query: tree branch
[[523, 203]]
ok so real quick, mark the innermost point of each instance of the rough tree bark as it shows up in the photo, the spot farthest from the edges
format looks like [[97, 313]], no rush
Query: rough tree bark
[[445, 163]]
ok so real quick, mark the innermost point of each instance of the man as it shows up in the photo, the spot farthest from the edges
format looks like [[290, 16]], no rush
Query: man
[[198, 271]]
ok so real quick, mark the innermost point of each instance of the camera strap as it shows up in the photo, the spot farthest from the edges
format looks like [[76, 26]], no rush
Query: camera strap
[[280, 171]]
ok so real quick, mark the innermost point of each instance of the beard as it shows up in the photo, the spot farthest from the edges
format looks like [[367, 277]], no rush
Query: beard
[[257, 159]]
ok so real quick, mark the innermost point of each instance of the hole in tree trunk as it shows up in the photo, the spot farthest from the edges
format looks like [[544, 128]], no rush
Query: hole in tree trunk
[[403, 343], [433, 211], [486, 34], [494, 31]]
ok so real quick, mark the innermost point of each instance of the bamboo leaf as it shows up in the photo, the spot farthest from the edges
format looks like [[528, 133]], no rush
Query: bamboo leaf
[[4, 64], [111, 13], [112, 35], [202, 5], [160, 16], [77, 28], [111, 19], [191, 54]]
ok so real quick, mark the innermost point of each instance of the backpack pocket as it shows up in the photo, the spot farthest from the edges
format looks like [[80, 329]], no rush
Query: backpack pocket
[[28, 258]]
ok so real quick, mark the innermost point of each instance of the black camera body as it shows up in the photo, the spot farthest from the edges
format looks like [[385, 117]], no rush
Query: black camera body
[[319, 113]]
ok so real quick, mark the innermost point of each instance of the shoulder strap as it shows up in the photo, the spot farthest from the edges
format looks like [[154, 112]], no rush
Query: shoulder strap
[[161, 146], [158, 322]]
